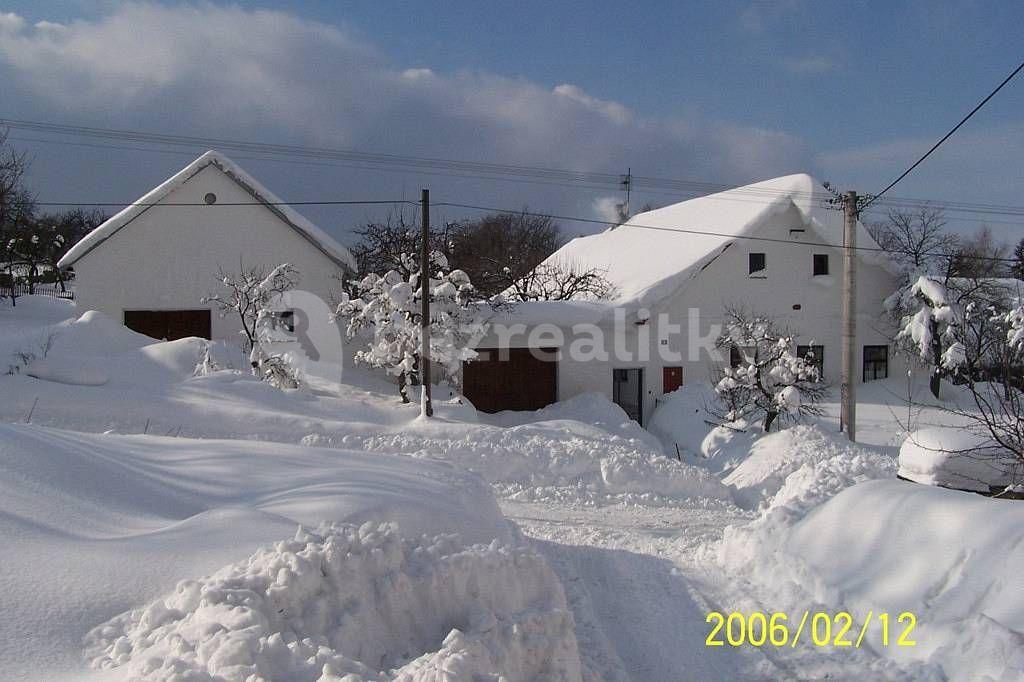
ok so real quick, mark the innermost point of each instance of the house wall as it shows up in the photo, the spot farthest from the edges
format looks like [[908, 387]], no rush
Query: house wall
[[788, 280], [169, 256]]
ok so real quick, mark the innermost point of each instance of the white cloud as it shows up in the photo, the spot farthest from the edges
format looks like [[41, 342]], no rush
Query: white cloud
[[11, 22], [809, 64], [225, 71]]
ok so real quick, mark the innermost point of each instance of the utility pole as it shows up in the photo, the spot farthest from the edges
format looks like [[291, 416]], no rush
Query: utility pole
[[426, 407], [626, 183], [848, 410]]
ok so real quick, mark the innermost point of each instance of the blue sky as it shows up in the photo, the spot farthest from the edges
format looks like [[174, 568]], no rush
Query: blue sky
[[725, 92]]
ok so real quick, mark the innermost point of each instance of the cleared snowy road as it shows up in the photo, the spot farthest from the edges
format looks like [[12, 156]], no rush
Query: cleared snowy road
[[636, 593]]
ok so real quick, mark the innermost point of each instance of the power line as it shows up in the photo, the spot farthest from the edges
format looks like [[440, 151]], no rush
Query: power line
[[708, 233], [227, 203], [947, 135], [469, 169]]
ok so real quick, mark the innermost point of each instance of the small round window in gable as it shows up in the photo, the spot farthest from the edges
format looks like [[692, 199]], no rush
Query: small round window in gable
[[210, 198]]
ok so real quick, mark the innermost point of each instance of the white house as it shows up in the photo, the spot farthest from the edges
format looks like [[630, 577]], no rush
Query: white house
[[772, 247], [152, 264]]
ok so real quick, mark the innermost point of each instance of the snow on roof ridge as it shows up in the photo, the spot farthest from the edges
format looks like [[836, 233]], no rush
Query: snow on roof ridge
[[324, 242], [647, 265]]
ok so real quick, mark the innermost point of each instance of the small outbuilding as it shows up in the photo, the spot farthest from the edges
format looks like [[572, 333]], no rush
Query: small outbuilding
[[151, 265]]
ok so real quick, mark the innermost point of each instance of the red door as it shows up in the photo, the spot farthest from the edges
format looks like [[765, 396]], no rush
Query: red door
[[672, 378]]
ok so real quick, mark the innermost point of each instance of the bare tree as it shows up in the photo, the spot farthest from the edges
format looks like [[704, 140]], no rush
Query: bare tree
[[249, 294], [917, 240], [384, 246], [16, 204], [501, 248], [981, 256], [560, 282]]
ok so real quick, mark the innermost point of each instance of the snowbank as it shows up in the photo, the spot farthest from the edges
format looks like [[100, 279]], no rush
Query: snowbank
[[776, 456], [957, 458], [589, 408], [832, 539], [951, 558], [94, 525], [681, 418], [360, 602], [557, 459]]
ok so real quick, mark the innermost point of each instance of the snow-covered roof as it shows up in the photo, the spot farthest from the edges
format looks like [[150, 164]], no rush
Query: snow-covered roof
[[320, 239], [646, 265]]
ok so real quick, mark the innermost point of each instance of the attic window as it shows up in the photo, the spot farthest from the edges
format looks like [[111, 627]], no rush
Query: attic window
[[756, 263], [210, 198]]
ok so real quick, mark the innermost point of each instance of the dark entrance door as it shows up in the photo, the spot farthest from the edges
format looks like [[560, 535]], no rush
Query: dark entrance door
[[628, 392], [672, 378], [522, 381], [169, 325]]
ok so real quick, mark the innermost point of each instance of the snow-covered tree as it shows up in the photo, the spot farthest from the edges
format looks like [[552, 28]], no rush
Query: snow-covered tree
[[389, 307], [927, 331], [946, 321], [253, 295], [770, 383]]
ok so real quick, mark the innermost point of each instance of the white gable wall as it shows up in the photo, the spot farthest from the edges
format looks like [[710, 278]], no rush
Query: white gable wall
[[168, 257]]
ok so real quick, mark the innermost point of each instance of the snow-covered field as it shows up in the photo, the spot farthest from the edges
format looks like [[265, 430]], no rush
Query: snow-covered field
[[162, 523]]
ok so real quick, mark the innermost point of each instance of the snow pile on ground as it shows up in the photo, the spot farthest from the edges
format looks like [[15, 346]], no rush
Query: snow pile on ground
[[957, 458], [682, 420], [821, 458], [94, 525], [360, 602], [559, 459], [831, 539], [94, 350], [950, 558], [590, 408], [789, 474]]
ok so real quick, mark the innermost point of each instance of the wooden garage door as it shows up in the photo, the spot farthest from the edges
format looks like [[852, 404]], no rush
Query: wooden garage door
[[169, 325], [522, 382]]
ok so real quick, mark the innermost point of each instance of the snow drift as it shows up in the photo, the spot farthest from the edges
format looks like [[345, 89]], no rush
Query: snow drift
[[832, 538], [556, 458], [816, 454], [957, 458], [94, 524], [951, 558], [360, 602]]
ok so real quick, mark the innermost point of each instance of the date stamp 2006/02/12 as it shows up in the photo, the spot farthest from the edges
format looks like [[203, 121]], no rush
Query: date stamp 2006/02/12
[[815, 628]]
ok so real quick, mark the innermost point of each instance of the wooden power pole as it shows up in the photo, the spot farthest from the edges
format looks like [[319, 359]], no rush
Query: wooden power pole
[[426, 407], [848, 410]]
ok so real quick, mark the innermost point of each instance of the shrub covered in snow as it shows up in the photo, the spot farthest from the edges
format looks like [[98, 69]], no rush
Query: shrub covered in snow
[[390, 307], [958, 458], [359, 603], [770, 383]]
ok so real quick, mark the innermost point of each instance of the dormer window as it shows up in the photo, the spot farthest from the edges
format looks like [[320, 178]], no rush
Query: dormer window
[[756, 263]]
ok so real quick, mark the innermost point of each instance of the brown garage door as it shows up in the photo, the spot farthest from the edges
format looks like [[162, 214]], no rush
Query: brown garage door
[[169, 324], [520, 382]]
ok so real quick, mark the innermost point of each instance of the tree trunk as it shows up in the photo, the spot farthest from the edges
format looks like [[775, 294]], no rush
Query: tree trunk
[[769, 419], [935, 382], [402, 388]]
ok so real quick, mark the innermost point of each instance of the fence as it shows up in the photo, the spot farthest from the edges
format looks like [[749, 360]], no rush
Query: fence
[[48, 290]]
